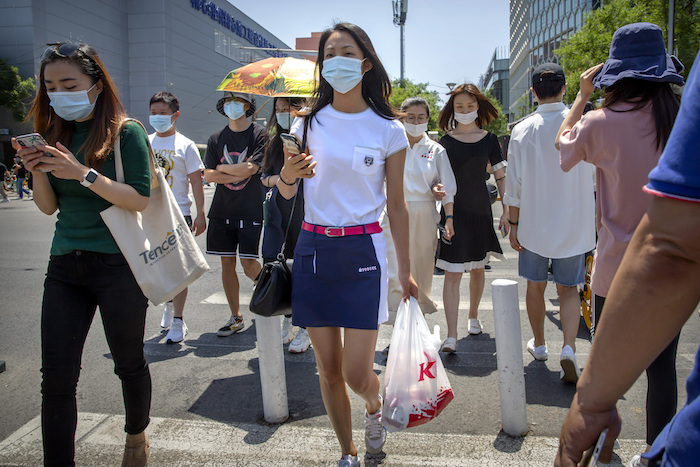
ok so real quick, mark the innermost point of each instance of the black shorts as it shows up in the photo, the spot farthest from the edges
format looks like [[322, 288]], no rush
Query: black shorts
[[188, 219], [225, 236]]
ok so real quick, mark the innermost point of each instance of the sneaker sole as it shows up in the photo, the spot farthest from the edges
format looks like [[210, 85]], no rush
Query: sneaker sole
[[472, 333], [297, 350], [228, 333], [569, 374], [448, 350]]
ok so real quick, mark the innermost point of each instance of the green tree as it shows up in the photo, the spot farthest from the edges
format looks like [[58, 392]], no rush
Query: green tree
[[500, 125], [14, 90], [402, 90], [523, 107], [590, 45]]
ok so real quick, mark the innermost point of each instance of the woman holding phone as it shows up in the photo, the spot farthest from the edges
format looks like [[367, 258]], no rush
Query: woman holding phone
[[353, 143], [624, 140], [78, 111], [277, 218]]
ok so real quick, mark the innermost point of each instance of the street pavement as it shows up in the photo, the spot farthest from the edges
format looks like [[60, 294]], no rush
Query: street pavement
[[207, 407]]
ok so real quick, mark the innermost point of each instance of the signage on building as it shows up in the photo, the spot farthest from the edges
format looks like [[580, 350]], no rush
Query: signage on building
[[222, 17]]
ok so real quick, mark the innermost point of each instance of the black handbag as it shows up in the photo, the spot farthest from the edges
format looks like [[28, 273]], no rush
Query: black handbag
[[272, 295]]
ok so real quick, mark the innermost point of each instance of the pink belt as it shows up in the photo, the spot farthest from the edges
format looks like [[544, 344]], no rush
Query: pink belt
[[342, 231]]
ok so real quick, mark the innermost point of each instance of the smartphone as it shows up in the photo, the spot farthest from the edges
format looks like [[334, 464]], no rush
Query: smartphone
[[31, 140], [503, 231], [443, 232], [590, 457], [291, 143]]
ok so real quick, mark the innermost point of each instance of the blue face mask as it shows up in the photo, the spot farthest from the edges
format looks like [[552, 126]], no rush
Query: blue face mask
[[72, 105], [342, 73], [161, 123], [234, 110], [284, 119]]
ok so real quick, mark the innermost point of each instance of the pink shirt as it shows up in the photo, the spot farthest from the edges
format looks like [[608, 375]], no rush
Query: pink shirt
[[622, 146]]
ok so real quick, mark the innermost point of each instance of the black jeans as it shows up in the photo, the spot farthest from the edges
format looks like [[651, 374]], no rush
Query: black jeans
[[662, 383], [76, 284]]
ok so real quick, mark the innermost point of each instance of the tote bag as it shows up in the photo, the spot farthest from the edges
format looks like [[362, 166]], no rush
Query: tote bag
[[416, 384], [157, 243]]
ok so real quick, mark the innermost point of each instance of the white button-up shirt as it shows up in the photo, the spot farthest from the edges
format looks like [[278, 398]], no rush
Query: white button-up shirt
[[426, 165], [557, 209]]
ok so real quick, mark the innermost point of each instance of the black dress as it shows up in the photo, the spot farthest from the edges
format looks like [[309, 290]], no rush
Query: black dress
[[475, 238]]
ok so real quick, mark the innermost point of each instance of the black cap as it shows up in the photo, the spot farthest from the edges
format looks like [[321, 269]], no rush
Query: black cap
[[548, 72]]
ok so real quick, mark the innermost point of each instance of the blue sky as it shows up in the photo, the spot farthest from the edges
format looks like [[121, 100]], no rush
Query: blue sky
[[446, 40]]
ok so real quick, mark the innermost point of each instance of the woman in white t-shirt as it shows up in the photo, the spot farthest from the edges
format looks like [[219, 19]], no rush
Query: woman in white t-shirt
[[353, 143]]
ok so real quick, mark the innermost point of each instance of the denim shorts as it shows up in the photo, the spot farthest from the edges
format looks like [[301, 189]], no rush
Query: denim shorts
[[568, 272]]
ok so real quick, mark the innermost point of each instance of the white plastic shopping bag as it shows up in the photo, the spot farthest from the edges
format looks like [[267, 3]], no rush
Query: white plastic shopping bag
[[416, 385]]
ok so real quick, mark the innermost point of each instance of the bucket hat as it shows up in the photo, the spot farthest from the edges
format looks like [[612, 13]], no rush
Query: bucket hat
[[249, 98], [638, 51]]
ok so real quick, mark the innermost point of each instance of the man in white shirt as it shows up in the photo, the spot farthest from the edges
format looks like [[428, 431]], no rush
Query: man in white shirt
[[552, 216], [179, 157]]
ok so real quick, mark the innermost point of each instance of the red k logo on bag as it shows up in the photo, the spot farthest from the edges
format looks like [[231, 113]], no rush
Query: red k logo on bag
[[425, 371]]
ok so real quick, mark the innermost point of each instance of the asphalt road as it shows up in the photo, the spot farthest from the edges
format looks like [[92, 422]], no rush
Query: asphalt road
[[208, 378]]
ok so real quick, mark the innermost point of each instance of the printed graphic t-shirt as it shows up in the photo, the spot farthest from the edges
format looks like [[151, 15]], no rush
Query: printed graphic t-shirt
[[242, 200], [179, 157]]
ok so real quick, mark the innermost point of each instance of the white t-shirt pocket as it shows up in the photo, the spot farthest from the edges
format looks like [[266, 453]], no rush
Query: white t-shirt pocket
[[366, 161]]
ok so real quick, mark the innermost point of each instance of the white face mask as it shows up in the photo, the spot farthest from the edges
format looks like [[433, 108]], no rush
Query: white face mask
[[466, 119], [234, 110], [72, 105], [161, 123], [284, 119], [342, 73], [416, 130]]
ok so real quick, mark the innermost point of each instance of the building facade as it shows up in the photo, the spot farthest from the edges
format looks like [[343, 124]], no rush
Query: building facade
[[496, 79], [182, 46], [537, 28]]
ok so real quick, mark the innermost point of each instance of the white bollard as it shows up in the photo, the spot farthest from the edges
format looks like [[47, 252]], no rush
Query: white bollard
[[271, 362], [511, 375]]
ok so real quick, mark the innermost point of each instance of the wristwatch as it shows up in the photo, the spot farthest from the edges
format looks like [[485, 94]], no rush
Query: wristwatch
[[90, 178]]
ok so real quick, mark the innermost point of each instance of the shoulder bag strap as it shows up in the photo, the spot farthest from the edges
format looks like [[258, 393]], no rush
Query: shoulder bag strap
[[119, 165], [280, 256]]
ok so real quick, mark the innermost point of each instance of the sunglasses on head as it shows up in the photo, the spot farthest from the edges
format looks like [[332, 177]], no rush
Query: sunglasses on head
[[62, 50]]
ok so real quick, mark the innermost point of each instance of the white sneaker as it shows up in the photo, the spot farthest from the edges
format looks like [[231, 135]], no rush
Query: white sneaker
[[300, 343], [288, 330], [168, 314], [450, 345], [539, 352], [475, 327], [637, 461], [570, 372], [177, 333], [375, 433], [348, 460], [5, 200]]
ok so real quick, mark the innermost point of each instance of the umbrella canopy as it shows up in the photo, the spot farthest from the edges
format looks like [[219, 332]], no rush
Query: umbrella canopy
[[273, 77]]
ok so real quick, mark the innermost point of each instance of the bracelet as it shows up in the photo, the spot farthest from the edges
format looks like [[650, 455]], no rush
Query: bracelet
[[288, 184], [450, 216], [501, 178], [511, 222]]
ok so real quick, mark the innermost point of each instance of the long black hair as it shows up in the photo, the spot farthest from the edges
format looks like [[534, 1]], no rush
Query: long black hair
[[274, 155], [376, 85], [664, 103]]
